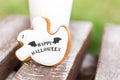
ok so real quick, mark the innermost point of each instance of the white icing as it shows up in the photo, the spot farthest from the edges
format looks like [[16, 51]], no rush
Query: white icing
[[51, 51]]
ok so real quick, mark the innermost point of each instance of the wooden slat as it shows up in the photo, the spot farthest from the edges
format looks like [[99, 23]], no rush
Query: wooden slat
[[88, 67], [70, 68], [9, 29], [11, 75], [109, 60]]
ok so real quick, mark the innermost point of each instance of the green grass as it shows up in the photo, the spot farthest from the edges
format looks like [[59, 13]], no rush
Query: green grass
[[8, 7], [97, 11]]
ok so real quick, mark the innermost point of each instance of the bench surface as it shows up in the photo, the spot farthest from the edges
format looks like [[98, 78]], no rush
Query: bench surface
[[69, 69], [109, 59], [9, 29]]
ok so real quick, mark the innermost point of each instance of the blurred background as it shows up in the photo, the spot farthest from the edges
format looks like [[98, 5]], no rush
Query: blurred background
[[97, 11]]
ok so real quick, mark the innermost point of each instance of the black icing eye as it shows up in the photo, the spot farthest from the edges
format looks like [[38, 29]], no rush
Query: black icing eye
[[22, 36]]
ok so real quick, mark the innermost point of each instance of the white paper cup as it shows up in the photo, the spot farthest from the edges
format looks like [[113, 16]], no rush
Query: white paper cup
[[57, 11]]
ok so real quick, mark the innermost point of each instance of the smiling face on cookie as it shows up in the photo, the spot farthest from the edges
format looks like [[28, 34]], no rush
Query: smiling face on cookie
[[42, 46]]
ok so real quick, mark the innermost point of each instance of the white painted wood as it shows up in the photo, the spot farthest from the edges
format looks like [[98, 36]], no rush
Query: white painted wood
[[109, 60], [9, 29]]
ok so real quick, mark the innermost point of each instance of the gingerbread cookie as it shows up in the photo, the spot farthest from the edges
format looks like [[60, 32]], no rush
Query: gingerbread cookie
[[44, 47]]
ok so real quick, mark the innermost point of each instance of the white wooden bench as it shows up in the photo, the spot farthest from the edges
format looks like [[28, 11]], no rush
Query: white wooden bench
[[108, 67]]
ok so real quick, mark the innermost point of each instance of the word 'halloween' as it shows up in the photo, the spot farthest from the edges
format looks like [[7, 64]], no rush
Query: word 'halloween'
[[45, 49]]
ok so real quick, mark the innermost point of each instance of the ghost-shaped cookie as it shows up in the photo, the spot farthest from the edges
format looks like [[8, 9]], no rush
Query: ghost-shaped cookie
[[43, 46]]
